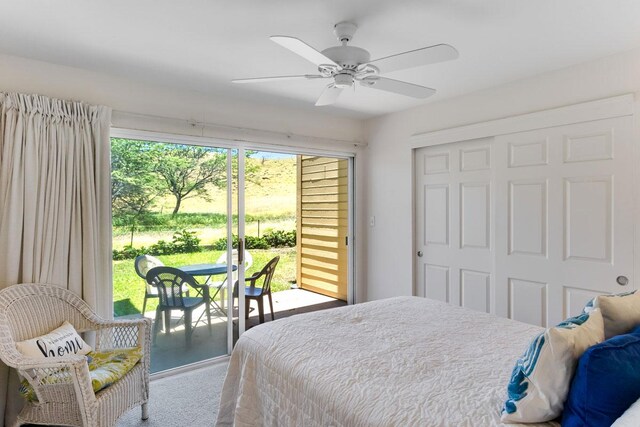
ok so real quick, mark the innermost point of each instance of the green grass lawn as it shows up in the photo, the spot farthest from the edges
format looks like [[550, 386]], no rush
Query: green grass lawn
[[270, 196], [128, 287]]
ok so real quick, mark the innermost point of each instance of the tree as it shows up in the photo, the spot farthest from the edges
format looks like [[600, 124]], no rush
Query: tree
[[134, 183], [186, 170]]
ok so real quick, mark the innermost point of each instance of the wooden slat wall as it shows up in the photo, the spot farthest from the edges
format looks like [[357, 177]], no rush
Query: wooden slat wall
[[322, 225]]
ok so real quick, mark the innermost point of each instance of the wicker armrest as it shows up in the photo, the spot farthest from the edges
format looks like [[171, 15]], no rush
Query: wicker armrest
[[59, 379], [49, 363]]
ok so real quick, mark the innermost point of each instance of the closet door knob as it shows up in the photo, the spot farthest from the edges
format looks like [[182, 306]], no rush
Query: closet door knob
[[622, 280], [420, 254]]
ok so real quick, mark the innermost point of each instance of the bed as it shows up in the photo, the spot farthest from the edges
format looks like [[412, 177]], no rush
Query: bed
[[404, 361]]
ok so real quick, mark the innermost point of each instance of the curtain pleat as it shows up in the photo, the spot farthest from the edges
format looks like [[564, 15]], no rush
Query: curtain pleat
[[54, 204]]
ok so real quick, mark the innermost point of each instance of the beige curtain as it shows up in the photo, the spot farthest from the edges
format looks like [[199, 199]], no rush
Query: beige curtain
[[54, 204]]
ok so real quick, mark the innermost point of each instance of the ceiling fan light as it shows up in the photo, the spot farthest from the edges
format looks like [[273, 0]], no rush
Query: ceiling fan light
[[343, 81]]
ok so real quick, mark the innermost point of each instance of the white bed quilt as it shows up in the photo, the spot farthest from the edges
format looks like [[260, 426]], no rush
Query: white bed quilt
[[403, 361]]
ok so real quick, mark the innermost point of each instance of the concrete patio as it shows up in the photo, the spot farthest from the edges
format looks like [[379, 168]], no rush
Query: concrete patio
[[170, 350]]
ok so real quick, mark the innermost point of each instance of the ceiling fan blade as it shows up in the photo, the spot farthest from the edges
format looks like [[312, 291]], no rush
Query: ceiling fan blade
[[416, 58], [278, 78], [329, 95], [299, 47], [396, 86]]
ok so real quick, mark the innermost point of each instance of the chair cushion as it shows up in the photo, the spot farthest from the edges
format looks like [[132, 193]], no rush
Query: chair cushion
[[606, 383], [105, 368], [62, 341], [541, 378]]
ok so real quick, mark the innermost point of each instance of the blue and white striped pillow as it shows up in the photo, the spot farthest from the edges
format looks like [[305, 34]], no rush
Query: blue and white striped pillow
[[541, 377]]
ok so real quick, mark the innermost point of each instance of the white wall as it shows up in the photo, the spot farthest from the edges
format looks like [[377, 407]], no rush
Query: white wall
[[389, 185]]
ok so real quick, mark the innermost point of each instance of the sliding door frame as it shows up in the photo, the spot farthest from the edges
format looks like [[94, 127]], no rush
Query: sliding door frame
[[241, 146]]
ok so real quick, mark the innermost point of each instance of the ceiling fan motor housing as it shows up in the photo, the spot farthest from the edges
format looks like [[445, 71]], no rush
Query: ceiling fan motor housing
[[347, 57]]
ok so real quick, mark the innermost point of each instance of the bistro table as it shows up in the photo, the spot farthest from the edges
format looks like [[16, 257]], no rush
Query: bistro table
[[209, 270]]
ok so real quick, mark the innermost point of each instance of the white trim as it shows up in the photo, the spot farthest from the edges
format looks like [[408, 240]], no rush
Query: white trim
[[333, 151], [230, 283], [617, 106], [350, 232], [636, 204], [414, 228], [231, 133], [175, 138], [241, 236]]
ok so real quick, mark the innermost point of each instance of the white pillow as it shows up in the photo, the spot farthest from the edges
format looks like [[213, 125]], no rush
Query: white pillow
[[60, 342], [621, 313], [630, 418], [541, 378]]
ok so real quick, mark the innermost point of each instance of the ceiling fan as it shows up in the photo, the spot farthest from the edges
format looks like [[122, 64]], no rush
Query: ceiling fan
[[346, 65]]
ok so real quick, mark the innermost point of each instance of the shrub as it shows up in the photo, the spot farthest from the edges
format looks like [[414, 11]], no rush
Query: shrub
[[182, 242], [280, 238], [162, 222], [162, 248], [186, 242], [251, 242], [128, 252], [221, 244]]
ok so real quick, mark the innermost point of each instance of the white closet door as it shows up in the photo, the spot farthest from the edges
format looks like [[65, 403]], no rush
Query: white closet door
[[565, 215], [527, 225], [454, 223]]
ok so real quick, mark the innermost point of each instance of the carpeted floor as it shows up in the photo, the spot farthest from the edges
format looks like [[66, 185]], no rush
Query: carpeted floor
[[188, 399]]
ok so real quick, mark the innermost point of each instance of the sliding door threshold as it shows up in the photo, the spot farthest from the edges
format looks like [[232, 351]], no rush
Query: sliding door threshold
[[190, 367]]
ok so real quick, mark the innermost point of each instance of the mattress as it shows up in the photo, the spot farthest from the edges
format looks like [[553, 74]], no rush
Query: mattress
[[404, 361]]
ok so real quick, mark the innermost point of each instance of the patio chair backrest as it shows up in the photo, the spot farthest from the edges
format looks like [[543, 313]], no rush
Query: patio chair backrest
[[248, 259], [169, 282], [144, 263], [263, 278]]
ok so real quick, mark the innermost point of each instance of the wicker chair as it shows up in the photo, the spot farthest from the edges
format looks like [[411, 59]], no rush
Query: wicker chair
[[31, 310]]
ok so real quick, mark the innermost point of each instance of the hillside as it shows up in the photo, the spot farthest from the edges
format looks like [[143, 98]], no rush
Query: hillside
[[270, 190], [270, 194]]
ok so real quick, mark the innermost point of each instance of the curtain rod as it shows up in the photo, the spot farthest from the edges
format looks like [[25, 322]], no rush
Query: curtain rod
[[235, 131]]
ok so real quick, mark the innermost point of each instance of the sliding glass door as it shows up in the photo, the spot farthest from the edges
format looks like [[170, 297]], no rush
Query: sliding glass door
[[180, 203], [173, 206], [297, 218]]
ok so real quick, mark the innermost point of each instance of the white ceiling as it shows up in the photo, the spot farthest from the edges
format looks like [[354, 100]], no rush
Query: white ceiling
[[201, 45]]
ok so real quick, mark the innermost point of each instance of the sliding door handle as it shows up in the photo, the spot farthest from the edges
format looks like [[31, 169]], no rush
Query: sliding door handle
[[240, 252]]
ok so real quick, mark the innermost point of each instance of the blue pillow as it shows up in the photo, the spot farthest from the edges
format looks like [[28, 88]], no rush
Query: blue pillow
[[606, 382]]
